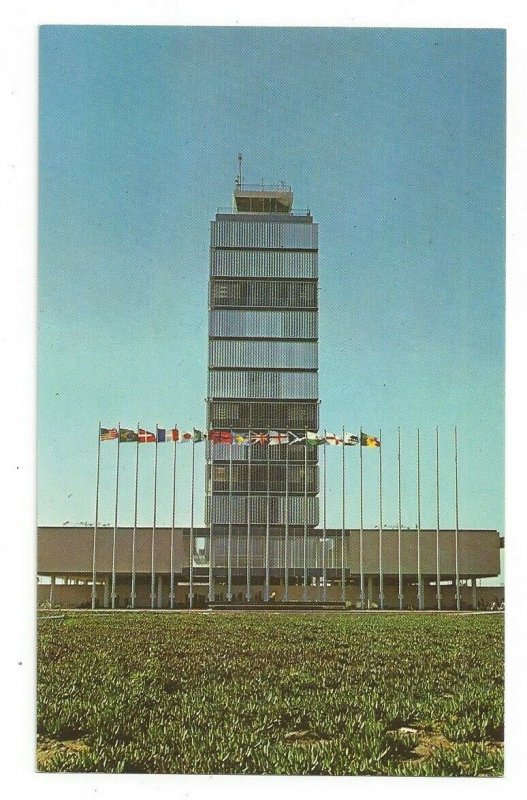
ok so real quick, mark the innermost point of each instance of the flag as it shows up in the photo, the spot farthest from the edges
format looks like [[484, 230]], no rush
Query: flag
[[370, 441], [240, 438], [220, 437], [295, 439], [146, 436], [259, 438], [332, 439], [186, 436], [126, 435], [167, 435], [350, 438], [198, 436], [278, 438], [314, 439], [109, 433]]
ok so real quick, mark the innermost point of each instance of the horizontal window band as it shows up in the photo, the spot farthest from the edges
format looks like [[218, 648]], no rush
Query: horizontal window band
[[256, 278], [265, 249], [260, 339], [244, 307], [264, 295], [264, 406], [264, 235], [277, 338], [291, 217], [228, 399], [289, 370], [266, 354], [240, 454], [275, 530], [263, 493], [222, 399], [265, 403]]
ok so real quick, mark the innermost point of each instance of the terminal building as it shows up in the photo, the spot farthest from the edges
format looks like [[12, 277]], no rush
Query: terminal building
[[262, 541], [65, 557]]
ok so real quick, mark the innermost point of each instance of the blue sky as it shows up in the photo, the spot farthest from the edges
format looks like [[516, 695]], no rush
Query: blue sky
[[394, 138]]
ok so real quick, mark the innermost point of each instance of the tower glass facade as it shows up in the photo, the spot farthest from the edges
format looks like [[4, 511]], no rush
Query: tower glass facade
[[262, 376]]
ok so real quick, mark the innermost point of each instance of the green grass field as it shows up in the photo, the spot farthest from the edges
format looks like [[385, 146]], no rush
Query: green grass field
[[270, 693]]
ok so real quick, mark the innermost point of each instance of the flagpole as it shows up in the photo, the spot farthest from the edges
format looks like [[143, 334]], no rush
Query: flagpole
[[267, 532], [420, 598], [134, 532], [191, 536], [115, 514], [286, 537], [381, 573], [399, 554], [305, 517], [172, 597], [458, 596], [361, 530], [438, 564], [153, 577], [343, 568], [324, 570], [229, 533], [96, 524], [248, 544], [211, 593]]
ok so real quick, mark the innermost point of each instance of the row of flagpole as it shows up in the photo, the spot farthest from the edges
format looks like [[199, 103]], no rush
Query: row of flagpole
[[109, 434], [134, 530]]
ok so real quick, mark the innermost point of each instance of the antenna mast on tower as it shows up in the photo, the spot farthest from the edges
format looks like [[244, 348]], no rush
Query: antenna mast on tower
[[239, 178]]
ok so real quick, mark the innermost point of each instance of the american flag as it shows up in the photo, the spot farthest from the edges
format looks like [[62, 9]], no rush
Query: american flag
[[108, 433]]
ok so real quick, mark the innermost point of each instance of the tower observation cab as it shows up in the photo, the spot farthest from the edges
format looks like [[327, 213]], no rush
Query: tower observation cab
[[264, 200]]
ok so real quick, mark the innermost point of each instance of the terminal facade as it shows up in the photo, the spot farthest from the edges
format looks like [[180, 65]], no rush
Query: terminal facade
[[65, 557]]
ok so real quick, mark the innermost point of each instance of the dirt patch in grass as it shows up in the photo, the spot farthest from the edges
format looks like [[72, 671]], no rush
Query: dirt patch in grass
[[428, 743], [48, 747], [418, 744], [304, 737]]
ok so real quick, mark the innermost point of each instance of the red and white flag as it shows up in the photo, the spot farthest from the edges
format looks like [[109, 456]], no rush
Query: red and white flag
[[220, 437], [145, 436]]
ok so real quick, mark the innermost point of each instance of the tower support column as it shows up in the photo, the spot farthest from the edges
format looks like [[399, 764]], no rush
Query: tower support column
[[106, 595], [421, 593], [370, 591], [212, 585]]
